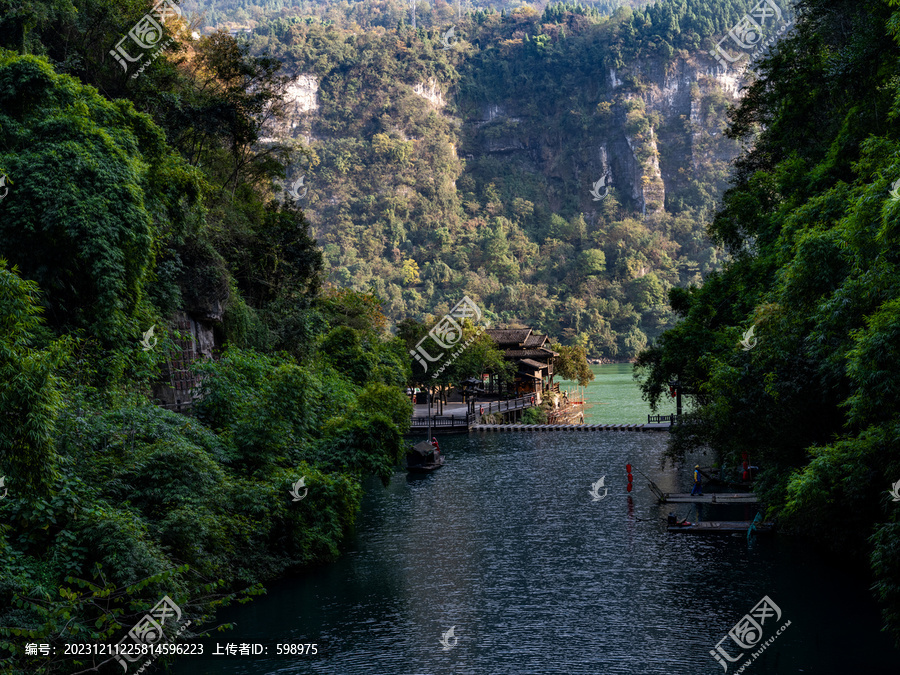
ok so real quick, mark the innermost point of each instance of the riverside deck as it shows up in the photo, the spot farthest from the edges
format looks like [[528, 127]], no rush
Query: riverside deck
[[569, 427], [712, 498], [457, 419], [723, 527]]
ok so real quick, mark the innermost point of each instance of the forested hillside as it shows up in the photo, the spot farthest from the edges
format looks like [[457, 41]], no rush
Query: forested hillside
[[812, 225], [122, 201], [437, 170], [366, 14]]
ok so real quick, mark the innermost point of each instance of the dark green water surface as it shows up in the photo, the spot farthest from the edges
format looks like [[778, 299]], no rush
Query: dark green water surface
[[506, 545]]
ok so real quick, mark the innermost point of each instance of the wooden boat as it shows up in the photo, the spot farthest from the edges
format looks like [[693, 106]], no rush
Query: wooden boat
[[723, 527], [423, 458]]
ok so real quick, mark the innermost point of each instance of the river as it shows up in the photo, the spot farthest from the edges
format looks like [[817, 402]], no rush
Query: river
[[612, 397], [505, 545]]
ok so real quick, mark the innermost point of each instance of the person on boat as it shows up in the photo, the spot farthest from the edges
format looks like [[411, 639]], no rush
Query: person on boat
[[698, 486]]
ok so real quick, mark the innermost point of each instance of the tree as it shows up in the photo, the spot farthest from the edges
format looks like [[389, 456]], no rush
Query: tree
[[572, 363], [29, 396], [95, 187], [479, 355], [410, 272]]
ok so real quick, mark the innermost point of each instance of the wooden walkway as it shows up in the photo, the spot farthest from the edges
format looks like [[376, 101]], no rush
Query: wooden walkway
[[723, 527], [569, 427], [711, 498]]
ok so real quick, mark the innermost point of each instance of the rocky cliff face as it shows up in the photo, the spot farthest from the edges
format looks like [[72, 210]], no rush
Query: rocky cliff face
[[683, 105], [301, 103], [682, 102]]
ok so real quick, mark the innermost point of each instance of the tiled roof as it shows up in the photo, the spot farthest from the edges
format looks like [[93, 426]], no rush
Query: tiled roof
[[534, 341], [528, 353], [508, 336], [534, 364]]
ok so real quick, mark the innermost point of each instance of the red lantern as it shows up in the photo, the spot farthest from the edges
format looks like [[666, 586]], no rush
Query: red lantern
[[630, 477]]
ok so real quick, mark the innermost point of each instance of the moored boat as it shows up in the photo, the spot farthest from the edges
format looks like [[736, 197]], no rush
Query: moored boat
[[424, 457]]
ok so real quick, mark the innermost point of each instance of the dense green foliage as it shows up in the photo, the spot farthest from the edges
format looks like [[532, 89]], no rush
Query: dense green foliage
[[368, 13], [811, 223], [128, 200]]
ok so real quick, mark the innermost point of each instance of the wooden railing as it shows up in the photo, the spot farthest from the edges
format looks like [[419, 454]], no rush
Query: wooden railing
[[444, 422], [503, 406], [659, 419], [481, 410]]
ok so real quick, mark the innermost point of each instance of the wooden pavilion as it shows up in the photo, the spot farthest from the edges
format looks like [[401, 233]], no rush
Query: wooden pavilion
[[533, 357]]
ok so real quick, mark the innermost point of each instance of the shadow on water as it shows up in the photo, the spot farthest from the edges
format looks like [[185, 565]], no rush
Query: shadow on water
[[506, 545]]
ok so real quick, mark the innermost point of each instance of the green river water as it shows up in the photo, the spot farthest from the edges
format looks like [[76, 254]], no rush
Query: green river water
[[613, 397]]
